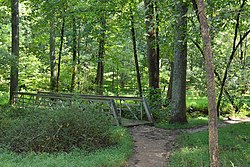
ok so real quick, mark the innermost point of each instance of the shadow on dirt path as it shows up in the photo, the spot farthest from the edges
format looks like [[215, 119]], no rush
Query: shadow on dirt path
[[152, 146]]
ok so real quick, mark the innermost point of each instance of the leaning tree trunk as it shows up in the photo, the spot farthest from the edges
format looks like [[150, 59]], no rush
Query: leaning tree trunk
[[213, 129], [178, 101], [219, 79], [138, 75], [232, 54], [14, 50], [74, 60], [101, 51], [53, 76]]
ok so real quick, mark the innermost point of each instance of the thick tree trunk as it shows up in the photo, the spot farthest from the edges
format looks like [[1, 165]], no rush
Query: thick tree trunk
[[138, 75], [153, 62], [14, 49], [74, 56], [60, 55], [213, 129], [101, 52], [178, 101], [53, 76]]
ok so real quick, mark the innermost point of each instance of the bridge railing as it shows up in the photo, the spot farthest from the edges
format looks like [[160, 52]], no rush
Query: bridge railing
[[115, 104]]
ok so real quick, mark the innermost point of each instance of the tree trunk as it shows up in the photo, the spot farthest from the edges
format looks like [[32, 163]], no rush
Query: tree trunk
[[78, 58], [153, 65], [226, 92], [60, 55], [170, 85], [157, 30], [74, 51], [138, 75], [14, 49], [231, 56], [53, 76], [178, 101], [101, 52], [213, 129]]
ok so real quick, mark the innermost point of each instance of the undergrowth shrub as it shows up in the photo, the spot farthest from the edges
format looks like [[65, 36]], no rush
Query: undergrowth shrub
[[54, 131], [156, 104]]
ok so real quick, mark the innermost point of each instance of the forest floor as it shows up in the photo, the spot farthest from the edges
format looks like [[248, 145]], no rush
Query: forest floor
[[152, 146]]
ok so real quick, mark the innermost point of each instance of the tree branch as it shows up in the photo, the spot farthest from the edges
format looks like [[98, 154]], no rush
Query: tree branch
[[232, 54], [219, 78]]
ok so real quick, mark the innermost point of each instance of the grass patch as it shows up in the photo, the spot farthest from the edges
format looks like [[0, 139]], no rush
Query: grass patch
[[197, 106], [233, 144], [192, 122], [197, 102]]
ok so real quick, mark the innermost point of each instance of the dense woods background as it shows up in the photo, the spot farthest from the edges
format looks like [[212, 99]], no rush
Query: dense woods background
[[127, 47], [188, 58]]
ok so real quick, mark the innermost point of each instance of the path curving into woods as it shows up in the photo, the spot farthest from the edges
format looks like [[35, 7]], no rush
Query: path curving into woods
[[152, 146]]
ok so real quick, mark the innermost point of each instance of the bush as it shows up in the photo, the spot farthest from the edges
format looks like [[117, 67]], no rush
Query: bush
[[116, 155], [53, 131], [156, 104]]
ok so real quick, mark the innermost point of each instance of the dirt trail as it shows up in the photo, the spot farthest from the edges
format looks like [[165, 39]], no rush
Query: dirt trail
[[152, 146]]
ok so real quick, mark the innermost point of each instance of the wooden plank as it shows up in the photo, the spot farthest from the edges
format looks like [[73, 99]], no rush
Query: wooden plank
[[130, 122]]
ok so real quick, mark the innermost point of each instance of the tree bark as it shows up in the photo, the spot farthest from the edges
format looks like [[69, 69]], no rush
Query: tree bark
[[53, 76], [153, 65], [231, 56], [170, 85], [101, 52], [138, 75], [78, 57], [178, 101], [157, 31], [213, 129], [74, 55], [14, 49], [60, 55]]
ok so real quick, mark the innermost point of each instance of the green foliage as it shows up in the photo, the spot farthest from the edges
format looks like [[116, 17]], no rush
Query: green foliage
[[233, 144], [119, 70], [55, 131], [156, 104], [4, 98], [113, 156], [242, 103]]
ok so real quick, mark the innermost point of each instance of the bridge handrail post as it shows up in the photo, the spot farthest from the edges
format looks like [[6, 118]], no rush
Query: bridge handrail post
[[115, 113], [146, 107]]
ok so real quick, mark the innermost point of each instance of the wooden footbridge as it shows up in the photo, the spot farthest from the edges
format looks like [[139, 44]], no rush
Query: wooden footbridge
[[136, 107]]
